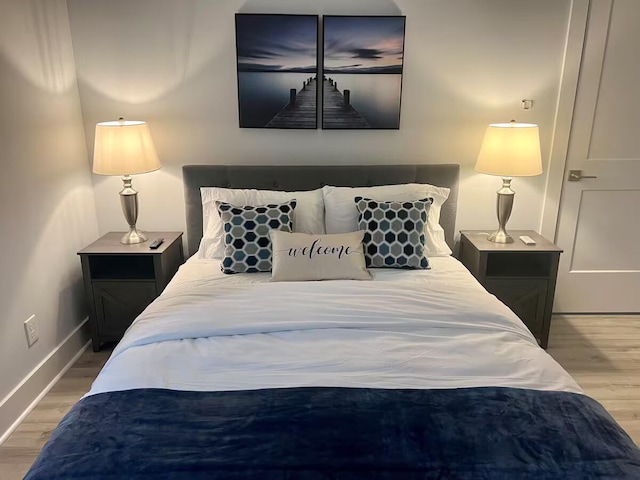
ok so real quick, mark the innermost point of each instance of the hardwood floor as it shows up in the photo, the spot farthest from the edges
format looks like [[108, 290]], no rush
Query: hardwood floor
[[601, 352], [19, 451]]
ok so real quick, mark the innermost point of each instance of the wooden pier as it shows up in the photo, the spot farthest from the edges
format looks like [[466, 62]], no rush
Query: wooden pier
[[337, 111], [301, 111]]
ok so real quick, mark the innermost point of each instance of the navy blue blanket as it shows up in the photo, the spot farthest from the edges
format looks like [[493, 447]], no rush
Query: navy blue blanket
[[338, 433]]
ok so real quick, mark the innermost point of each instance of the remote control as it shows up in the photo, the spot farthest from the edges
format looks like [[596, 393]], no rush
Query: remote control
[[527, 240], [156, 243]]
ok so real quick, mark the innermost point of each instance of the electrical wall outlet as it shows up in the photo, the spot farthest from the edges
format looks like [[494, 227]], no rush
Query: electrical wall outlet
[[31, 329]]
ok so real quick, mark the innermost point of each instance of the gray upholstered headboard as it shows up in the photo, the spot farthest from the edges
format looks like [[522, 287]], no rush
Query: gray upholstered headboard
[[292, 178]]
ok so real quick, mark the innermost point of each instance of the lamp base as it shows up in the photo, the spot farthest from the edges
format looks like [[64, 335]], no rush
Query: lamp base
[[500, 236], [504, 205], [133, 236], [129, 202]]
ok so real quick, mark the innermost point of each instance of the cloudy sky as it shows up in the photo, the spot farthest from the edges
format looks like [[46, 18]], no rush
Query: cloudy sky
[[365, 44], [276, 42]]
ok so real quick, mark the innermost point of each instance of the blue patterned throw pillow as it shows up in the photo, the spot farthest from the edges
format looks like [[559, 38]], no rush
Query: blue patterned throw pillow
[[246, 234], [394, 232]]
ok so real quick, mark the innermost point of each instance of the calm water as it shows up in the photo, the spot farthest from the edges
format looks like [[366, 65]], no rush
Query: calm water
[[375, 96], [263, 94]]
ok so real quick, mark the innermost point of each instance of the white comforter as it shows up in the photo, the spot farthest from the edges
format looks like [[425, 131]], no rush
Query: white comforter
[[434, 328]]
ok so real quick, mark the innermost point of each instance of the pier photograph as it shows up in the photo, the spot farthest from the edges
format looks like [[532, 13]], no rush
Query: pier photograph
[[277, 63], [362, 67]]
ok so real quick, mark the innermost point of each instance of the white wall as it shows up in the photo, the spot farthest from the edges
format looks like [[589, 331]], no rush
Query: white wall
[[172, 63], [47, 209]]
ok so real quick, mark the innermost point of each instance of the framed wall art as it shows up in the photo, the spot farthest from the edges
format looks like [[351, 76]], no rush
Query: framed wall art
[[277, 64], [362, 71]]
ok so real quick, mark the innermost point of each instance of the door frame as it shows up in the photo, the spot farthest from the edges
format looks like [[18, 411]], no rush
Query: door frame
[[572, 62]]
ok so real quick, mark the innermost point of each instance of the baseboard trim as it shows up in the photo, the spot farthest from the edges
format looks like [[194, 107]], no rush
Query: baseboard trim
[[42, 379]]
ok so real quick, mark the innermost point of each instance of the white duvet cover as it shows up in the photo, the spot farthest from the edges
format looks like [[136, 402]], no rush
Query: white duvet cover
[[433, 328]]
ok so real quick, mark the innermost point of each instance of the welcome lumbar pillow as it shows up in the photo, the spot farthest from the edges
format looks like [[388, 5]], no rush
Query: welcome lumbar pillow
[[300, 257]]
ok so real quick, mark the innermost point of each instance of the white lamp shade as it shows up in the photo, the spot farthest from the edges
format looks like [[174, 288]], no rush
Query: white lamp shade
[[124, 148], [510, 150]]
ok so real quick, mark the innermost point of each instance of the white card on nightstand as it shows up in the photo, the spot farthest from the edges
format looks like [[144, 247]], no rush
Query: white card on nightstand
[[527, 240]]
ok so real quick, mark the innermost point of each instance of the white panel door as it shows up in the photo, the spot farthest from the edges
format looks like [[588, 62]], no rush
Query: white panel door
[[599, 224]]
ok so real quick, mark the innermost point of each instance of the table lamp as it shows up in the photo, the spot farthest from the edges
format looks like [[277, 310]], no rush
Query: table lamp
[[125, 148], [509, 150]]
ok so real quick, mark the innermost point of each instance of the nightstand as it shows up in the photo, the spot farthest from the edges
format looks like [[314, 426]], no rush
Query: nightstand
[[522, 276], [121, 280]]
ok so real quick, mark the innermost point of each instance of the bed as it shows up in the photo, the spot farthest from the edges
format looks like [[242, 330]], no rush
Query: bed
[[416, 374]]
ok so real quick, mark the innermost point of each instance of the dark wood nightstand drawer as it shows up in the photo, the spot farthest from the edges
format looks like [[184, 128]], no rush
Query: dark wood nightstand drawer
[[122, 280], [118, 304], [525, 296]]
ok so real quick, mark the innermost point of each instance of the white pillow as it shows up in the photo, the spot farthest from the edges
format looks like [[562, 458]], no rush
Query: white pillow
[[341, 214], [308, 216], [301, 257]]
